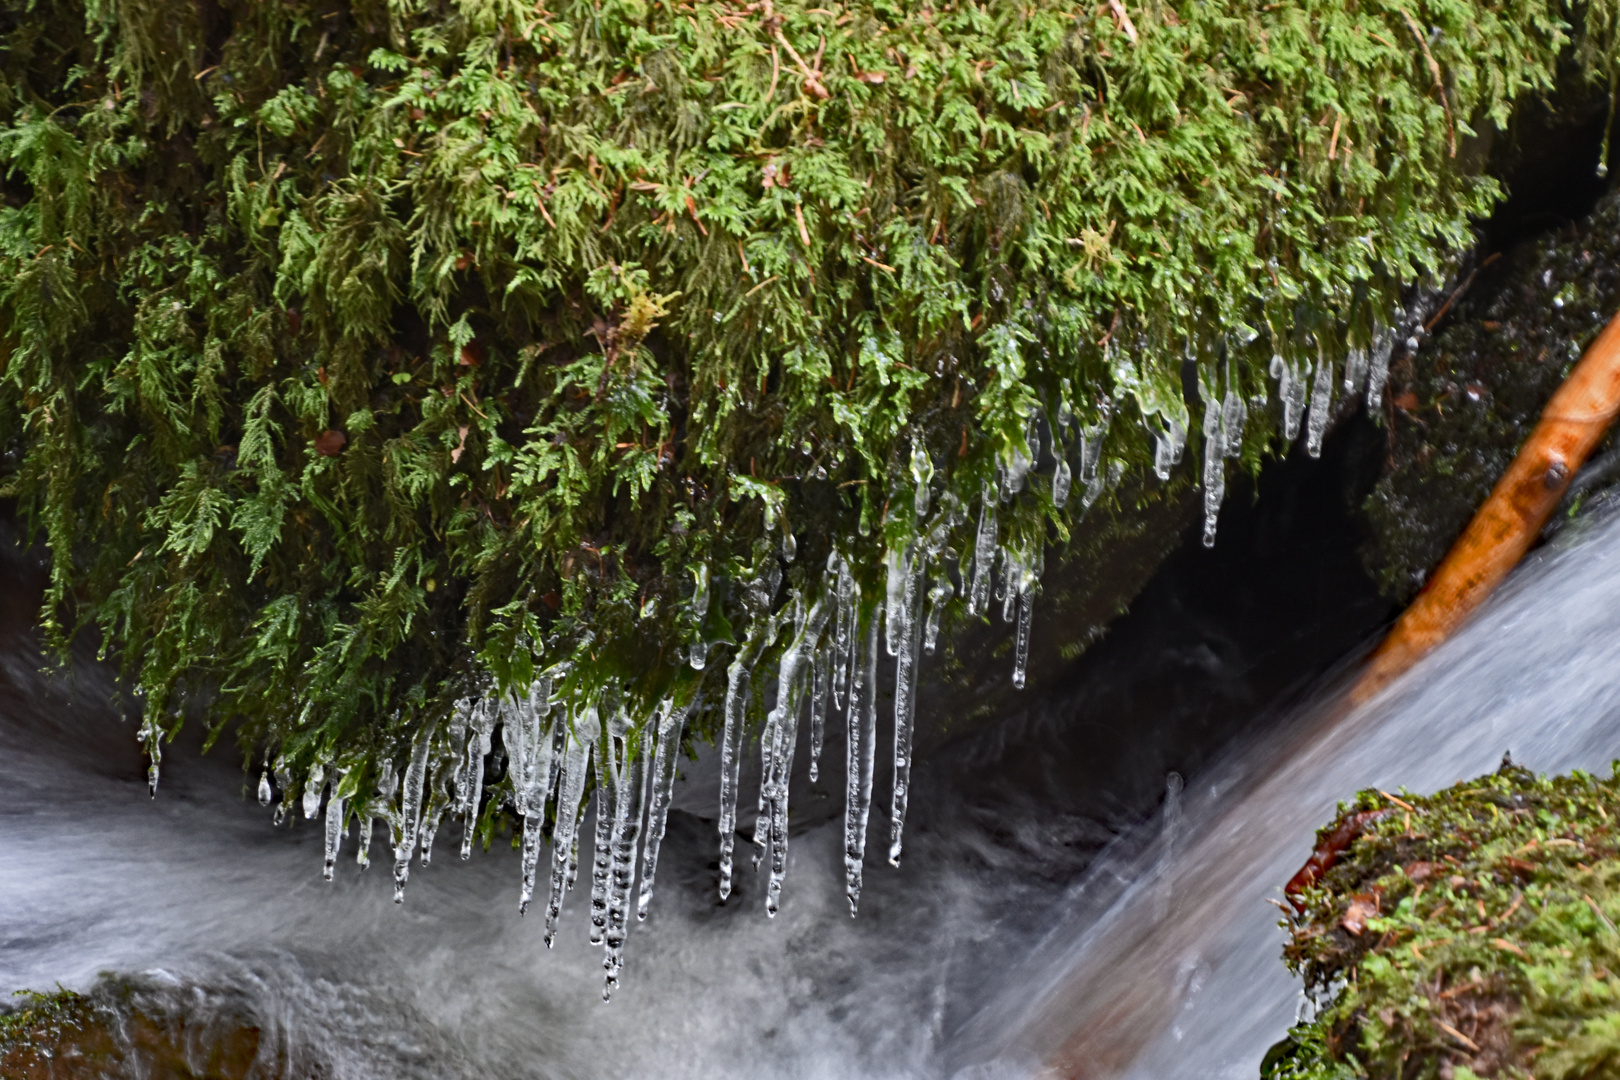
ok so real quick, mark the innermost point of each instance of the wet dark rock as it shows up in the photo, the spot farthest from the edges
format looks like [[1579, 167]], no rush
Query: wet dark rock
[[114, 1032], [1458, 409]]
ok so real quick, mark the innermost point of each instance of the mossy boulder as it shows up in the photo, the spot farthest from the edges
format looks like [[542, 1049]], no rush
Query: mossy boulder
[[1470, 933], [364, 358]]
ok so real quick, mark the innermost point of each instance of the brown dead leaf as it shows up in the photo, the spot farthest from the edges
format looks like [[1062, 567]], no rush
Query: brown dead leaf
[[1363, 906]]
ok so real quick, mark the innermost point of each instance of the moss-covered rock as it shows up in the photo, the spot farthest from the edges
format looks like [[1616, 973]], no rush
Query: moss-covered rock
[[1470, 933], [363, 357]]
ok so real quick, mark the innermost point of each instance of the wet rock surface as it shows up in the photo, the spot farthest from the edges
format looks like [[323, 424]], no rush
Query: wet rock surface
[[1504, 337], [120, 1030]]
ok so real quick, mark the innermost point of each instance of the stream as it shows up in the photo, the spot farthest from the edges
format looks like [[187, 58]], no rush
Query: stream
[[1023, 935]]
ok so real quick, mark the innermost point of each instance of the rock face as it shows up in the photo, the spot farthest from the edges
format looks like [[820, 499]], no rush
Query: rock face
[[1459, 408]]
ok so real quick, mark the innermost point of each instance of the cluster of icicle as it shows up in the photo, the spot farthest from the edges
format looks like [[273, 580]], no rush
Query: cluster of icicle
[[553, 748], [827, 667], [1365, 370]]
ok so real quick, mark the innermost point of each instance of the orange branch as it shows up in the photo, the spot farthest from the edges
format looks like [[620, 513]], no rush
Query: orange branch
[[1509, 521]]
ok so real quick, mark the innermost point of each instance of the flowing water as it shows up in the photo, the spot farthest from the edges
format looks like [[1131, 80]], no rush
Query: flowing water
[[1017, 936]]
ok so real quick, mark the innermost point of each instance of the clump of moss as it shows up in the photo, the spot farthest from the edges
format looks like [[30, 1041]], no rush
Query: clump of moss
[[360, 357], [1471, 933]]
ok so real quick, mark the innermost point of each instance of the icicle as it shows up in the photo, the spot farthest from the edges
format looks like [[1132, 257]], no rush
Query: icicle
[[626, 837], [1355, 370], [378, 807], [782, 729], [1321, 406], [446, 781], [1025, 583], [1163, 454], [533, 783], [671, 722], [737, 687], [1214, 469], [1091, 444], [862, 720], [436, 806], [1060, 484], [1005, 594], [336, 825], [938, 597], [1091, 447], [576, 763], [533, 824], [517, 736], [698, 656], [1015, 469], [151, 736], [265, 794], [769, 740], [820, 677], [984, 552], [1234, 414], [410, 810], [1178, 438], [922, 473], [898, 566], [905, 707], [609, 777], [1383, 347], [469, 789], [1292, 390], [844, 629]]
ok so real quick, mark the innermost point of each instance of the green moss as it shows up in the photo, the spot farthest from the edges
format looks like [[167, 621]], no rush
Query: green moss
[[1471, 932], [362, 356], [40, 1021]]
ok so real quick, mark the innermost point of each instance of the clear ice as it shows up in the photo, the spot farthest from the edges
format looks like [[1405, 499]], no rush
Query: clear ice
[[820, 677], [737, 687], [571, 789], [609, 779], [984, 553], [672, 720], [470, 785], [1023, 584], [781, 730], [1321, 406], [335, 825], [626, 836], [410, 809], [861, 718], [1060, 484], [1214, 468], [1234, 414], [844, 629], [922, 473], [313, 786]]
